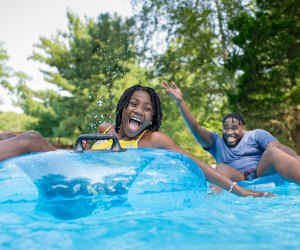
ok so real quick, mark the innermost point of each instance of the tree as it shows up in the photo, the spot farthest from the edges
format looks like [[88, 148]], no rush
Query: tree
[[11, 121], [84, 64], [5, 71], [267, 59], [188, 41]]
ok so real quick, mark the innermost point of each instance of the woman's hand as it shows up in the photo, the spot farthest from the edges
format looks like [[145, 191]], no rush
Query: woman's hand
[[173, 90], [86, 144]]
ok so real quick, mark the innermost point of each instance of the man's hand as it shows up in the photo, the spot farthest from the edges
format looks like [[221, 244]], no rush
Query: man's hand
[[173, 90]]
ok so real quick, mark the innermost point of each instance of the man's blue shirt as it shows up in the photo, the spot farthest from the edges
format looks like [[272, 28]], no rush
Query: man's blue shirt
[[246, 154]]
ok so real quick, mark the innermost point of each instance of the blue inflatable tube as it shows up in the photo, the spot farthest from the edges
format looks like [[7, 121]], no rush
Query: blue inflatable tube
[[144, 177]]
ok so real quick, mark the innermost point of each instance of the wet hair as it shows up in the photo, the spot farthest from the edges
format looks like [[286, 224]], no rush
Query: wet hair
[[237, 116], [124, 102]]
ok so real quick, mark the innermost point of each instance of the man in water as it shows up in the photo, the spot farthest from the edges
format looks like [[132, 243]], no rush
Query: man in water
[[241, 155]]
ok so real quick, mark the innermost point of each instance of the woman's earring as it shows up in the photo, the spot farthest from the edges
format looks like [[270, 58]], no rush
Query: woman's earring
[[150, 126]]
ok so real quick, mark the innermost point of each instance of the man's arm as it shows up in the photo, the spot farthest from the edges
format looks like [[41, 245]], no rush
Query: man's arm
[[202, 136]]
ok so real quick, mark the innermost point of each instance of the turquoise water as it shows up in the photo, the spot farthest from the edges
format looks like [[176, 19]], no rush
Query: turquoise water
[[168, 216]]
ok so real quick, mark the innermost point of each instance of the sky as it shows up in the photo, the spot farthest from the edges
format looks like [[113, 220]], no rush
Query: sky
[[22, 22]]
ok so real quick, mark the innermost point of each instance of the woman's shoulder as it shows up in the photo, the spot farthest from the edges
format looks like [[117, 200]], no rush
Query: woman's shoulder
[[156, 134], [104, 127], [156, 139]]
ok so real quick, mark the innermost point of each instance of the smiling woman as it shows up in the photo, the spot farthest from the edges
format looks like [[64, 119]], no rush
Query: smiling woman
[[138, 111]]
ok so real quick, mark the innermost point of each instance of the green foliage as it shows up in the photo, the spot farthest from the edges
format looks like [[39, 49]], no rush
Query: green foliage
[[84, 63], [7, 74], [11, 121], [267, 56], [187, 42], [5, 71]]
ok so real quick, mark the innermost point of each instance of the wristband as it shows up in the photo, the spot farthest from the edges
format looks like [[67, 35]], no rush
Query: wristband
[[232, 186]]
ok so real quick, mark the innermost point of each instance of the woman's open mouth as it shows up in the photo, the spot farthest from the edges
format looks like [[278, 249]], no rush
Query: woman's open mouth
[[134, 123]]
